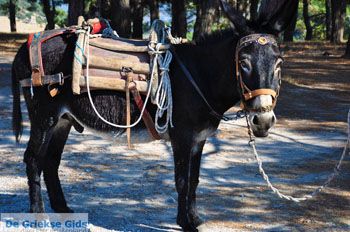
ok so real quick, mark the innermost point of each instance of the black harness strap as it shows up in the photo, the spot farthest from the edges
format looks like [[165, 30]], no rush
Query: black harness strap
[[194, 84]]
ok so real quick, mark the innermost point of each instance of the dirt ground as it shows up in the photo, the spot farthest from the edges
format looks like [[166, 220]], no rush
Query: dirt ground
[[125, 190]]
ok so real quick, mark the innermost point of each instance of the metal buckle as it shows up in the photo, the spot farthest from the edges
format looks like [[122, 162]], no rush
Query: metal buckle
[[60, 79]]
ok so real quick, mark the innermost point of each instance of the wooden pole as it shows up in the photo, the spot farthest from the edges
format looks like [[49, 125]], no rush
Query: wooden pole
[[128, 111], [110, 63], [78, 59], [112, 84]]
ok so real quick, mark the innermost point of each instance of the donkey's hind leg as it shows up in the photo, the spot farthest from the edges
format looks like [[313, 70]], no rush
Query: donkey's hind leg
[[51, 164], [33, 157]]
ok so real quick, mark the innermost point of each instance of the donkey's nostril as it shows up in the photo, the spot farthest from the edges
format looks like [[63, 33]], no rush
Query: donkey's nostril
[[273, 120], [256, 120]]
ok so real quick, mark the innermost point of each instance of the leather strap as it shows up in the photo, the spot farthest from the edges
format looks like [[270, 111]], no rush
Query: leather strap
[[147, 119], [34, 47], [45, 80], [258, 92], [194, 84], [128, 111]]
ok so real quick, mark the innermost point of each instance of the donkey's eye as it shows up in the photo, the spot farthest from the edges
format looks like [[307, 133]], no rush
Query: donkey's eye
[[245, 65]]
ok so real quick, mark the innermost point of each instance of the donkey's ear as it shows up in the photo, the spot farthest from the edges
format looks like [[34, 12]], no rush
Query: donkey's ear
[[236, 17], [276, 15]]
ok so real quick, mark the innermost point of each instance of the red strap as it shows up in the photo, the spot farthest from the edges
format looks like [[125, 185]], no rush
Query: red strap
[[147, 119], [98, 27], [30, 40]]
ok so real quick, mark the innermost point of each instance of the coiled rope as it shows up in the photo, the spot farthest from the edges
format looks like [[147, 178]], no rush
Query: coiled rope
[[164, 99]]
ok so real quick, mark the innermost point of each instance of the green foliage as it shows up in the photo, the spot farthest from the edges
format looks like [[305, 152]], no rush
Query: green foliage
[[347, 22], [61, 17], [25, 10], [29, 9], [317, 12]]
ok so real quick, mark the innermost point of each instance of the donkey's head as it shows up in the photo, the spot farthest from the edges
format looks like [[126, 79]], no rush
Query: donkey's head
[[258, 59]]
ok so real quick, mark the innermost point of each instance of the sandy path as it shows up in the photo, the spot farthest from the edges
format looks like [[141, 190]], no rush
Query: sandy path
[[126, 190]]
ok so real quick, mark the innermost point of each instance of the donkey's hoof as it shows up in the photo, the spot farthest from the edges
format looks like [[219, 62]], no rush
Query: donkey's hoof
[[196, 220], [186, 225], [36, 209], [63, 210]]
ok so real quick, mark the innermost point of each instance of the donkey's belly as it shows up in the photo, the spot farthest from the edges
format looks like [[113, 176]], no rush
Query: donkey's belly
[[139, 133], [119, 136]]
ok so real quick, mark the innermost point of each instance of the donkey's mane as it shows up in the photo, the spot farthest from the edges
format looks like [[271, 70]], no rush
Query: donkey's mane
[[215, 37]]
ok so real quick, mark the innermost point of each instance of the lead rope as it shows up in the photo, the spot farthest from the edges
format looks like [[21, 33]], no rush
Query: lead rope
[[316, 191]]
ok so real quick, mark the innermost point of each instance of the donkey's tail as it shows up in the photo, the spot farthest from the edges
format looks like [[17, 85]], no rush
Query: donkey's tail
[[17, 125]]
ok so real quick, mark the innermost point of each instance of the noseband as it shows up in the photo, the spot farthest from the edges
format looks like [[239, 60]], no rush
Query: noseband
[[247, 94]]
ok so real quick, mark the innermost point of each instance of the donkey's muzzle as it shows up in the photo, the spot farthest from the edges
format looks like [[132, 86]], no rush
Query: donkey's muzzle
[[262, 120]]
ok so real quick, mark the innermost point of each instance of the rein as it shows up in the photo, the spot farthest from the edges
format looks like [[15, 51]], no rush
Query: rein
[[196, 87], [248, 94], [319, 189]]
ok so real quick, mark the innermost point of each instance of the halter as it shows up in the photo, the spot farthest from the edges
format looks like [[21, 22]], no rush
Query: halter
[[247, 94]]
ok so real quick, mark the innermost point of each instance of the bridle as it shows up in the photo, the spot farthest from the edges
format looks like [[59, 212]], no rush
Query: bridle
[[246, 93]]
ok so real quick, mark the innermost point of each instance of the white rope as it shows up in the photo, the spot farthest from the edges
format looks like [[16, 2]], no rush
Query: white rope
[[164, 99], [92, 103], [173, 40], [316, 191]]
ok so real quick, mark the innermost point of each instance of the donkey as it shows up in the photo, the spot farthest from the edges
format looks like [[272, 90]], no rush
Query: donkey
[[227, 67]]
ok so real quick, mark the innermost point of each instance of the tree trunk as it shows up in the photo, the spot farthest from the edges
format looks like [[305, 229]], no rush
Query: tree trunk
[[75, 9], [154, 9], [50, 14], [338, 18], [347, 52], [12, 12], [307, 20], [254, 9], [137, 19], [289, 33], [328, 19], [98, 8], [120, 16], [179, 19], [105, 10], [206, 15]]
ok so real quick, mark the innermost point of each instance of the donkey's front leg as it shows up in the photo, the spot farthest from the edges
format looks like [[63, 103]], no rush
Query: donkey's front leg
[[187, 156], [195, 164]]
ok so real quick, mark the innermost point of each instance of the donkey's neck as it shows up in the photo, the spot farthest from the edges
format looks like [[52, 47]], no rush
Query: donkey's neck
[[216, 64]]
